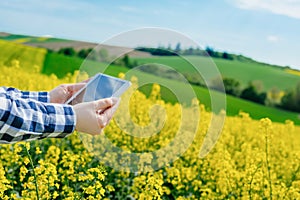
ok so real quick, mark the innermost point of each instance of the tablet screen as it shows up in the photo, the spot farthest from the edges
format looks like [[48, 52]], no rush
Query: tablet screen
[[101, 86]]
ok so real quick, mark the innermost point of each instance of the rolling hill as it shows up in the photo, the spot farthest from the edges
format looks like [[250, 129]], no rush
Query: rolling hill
[[53, 62], [55, 44], [271, 76], [60, 64]]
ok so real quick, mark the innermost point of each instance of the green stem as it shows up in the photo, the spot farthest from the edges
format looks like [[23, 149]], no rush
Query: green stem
[[268, 164], [35, 179], [250, 183]]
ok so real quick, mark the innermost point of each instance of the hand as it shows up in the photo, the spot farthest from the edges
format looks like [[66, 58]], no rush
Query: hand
[[92, 117], [63, 92]]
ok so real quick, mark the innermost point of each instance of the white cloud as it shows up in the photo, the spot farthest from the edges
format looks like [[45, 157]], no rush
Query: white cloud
[[273, 38], [47, 36], [290, 8]]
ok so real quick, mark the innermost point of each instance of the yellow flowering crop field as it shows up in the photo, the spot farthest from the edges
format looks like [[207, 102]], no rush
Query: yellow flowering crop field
[[251, 160], [291, 71], [32, 58]]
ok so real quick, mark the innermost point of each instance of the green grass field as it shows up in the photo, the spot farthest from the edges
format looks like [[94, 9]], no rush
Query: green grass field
[[60, 65], [25, 39], [244, 72]]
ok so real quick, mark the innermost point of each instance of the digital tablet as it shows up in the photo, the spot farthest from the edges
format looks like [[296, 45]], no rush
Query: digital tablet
[[99, 87]]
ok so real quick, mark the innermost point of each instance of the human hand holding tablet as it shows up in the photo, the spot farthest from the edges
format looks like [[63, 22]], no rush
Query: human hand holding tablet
[[99, 87], [93, 104]]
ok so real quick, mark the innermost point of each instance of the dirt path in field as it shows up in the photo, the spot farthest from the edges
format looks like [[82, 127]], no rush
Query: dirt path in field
[[78, 45]]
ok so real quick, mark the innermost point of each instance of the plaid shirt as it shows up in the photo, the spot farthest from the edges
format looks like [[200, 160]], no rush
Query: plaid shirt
[[26, 116]]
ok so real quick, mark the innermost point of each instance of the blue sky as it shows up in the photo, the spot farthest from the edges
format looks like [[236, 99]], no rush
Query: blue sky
[[266, 30]]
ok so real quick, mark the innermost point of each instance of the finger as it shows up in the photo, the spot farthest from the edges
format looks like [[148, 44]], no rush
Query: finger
[[112, 110], [105, 103], [115, 106], [106, 115], [75, 87]]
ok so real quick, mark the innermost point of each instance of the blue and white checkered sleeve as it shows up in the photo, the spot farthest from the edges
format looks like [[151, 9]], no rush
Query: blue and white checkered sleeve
[[15, 93], [27, 119]]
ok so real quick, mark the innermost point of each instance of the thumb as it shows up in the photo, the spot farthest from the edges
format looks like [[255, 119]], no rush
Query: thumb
[[105, 103]]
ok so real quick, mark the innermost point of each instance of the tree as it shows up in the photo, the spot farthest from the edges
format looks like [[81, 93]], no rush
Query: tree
[[258, 85], [157, 51], [229, 85], [178, 47], [274, 97], [68, 51], [227, 56], [210, 51], [84, 53], [291, 99], [288, 101], [125, 60], [189, 51], [251, 93], [232, 86]]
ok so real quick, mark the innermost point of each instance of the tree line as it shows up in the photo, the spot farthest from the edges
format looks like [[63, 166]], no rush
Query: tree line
[[90, 53], [102, 54], [288, 100], [208, 51]]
